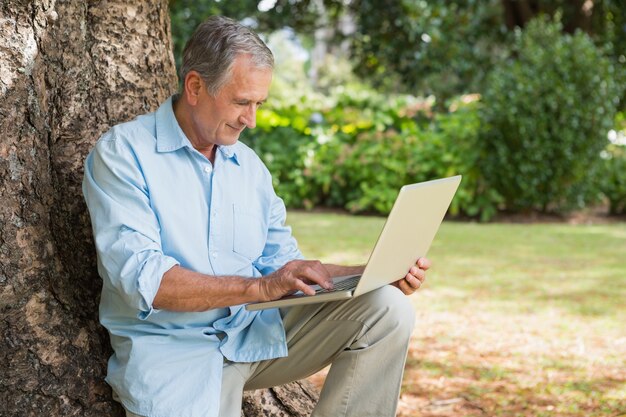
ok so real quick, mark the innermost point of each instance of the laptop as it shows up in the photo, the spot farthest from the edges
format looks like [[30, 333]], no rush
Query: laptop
[[407, 234]]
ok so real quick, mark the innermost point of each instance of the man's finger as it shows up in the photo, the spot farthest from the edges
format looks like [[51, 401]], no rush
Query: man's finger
[[413, 281], [421, 275], [424, 263], [405, 287], [315, 273], [417, 273], [306, 289]]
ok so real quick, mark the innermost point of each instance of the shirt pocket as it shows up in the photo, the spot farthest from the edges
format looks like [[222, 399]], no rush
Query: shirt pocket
[[249, 233]]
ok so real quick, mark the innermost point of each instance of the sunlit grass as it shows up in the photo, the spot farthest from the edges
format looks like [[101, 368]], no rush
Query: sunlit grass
[[514, 320], [580, 269]]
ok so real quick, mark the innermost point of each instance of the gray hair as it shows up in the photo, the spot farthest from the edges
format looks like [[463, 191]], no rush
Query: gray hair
[[213, 47]]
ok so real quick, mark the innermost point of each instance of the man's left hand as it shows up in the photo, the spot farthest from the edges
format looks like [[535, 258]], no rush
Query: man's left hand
[[414, 278]]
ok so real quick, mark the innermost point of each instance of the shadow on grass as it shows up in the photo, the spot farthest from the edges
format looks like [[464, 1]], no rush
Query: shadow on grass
[[456, 388]]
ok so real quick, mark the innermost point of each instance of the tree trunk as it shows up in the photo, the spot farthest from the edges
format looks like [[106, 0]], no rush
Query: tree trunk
[[577, 13], [68, 71], [518, 12], [580, 17]]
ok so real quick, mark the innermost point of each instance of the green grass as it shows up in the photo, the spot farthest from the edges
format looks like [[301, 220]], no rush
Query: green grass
[[577, 269], [514, 319]]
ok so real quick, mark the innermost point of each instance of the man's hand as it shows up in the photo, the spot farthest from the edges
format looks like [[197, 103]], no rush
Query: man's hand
[[414, 278], [294, 276]]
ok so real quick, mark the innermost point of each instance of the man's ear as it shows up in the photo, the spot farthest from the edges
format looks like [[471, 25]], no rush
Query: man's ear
[[192, 87]]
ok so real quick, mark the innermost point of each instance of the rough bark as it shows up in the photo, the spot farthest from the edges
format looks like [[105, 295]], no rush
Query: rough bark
[[68, 71], [295, 399]]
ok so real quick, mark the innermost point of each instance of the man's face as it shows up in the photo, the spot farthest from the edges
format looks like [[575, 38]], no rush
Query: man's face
[[220, 120]]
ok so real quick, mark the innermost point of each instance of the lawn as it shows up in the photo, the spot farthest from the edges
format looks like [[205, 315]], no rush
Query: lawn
[[514, 319]]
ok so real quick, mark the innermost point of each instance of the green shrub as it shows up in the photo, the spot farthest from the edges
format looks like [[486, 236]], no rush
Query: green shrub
[[613, 179], [547, 111], [369, 172], [303, 154], [357, 153], [457, 134], [363, 174], [369, 148], [613, 183]]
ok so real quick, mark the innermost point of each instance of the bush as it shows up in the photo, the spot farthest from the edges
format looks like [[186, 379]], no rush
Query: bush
[[302, 143], [613, 183], [458, 134], [547, 111], [367, 174], [358, 152], [613, 179]]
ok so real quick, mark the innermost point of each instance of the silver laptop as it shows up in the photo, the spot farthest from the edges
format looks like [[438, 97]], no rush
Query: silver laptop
[[408, 232]]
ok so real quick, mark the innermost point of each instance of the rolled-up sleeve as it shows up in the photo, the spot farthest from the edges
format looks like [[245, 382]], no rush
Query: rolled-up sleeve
[[125, 228]]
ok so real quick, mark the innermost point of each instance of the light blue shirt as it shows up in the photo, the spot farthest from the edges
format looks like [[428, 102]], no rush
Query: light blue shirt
[[156, 202]]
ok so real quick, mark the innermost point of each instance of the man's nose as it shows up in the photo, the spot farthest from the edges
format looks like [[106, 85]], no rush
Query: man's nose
[[249, 117]]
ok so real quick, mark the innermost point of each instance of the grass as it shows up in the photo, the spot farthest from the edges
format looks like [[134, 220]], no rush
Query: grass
[[514, 319]]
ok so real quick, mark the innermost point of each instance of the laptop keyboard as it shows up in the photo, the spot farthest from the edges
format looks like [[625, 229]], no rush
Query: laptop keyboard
[[346, 284]]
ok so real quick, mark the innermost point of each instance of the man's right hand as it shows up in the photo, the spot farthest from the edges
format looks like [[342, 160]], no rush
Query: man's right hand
[[295, 276]]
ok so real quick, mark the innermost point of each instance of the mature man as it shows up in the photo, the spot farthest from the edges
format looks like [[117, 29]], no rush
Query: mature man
[[188, 229]]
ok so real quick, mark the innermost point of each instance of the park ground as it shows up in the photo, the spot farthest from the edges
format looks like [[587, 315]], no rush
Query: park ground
[[514, 319]]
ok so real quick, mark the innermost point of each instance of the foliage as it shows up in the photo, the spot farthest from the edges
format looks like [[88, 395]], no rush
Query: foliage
[[436, 47], [356, 149], [422, 47], [605, 22], [546, 115], [610, 26], [613, 178], [368, 171], [613, 182], [459, 133], [300, 140], [338, 142]]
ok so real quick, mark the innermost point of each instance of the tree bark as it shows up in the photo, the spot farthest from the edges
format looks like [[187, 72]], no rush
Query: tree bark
[[518, 12], [580, 17], [68, 71]]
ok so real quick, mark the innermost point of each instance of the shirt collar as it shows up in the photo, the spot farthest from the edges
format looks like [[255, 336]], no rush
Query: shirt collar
[[170, 137], [229, 152]]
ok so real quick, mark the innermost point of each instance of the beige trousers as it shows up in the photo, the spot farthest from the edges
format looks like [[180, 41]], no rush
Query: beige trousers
[[366, 340]]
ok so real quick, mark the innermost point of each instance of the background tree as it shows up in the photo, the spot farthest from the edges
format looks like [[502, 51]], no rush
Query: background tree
[[421, 47], [68, 71], [448, 53]]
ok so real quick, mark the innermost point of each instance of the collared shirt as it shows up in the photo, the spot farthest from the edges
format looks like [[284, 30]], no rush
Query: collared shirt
[[156, 202]]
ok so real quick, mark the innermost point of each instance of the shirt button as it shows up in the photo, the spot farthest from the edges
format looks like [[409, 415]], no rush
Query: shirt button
[[214, 254], [207, 169]]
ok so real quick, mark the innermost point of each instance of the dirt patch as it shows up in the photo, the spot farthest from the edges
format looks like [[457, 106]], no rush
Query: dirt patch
[[595, 215], [470, 363]]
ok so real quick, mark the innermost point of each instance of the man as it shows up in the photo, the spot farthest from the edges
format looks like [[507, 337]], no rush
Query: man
[[188, 229]]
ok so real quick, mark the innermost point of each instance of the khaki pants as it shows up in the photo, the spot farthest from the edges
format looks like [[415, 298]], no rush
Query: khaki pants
[[366, 340]]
